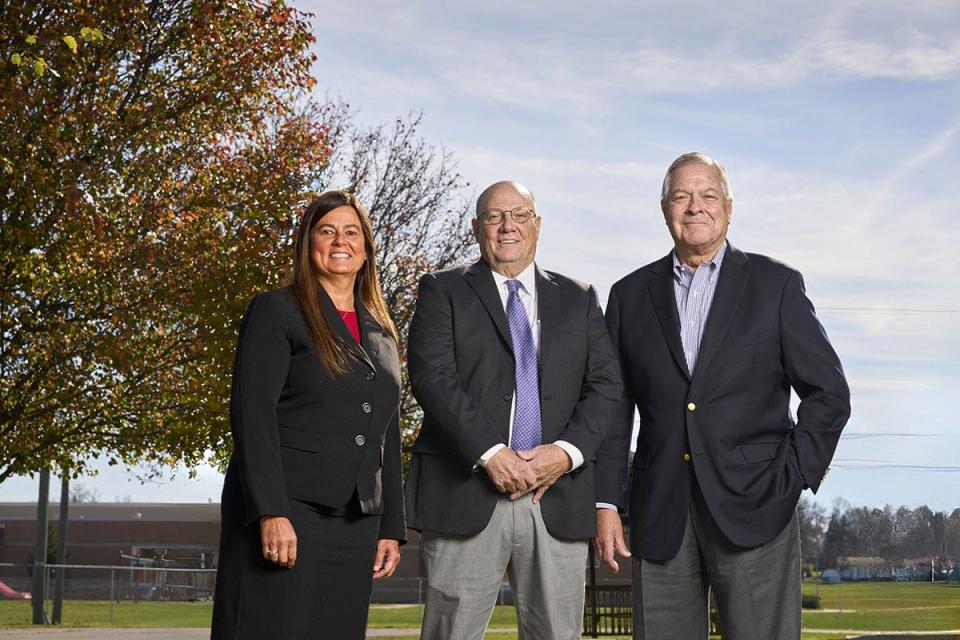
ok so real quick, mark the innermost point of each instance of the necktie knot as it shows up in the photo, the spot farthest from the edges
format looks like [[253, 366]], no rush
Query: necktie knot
[[513, 286]]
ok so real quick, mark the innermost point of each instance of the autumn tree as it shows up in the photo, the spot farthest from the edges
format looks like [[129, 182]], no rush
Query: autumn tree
[[148, 178]]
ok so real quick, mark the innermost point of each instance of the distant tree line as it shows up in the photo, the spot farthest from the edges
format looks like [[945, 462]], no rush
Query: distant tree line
[[892, 533]]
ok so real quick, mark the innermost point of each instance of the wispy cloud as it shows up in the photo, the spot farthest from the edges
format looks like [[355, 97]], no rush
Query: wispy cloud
[[932, 150], [558, 70], [826, 56]]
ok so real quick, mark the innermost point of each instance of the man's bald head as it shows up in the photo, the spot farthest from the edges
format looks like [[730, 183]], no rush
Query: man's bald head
[[507, 244], [503, 186]]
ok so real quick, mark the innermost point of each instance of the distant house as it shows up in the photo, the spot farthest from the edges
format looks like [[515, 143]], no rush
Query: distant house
[[917, 569], [855, 568], [910, 570]]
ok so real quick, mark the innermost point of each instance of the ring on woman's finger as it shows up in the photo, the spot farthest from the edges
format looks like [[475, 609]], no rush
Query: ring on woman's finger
[[272, 552]]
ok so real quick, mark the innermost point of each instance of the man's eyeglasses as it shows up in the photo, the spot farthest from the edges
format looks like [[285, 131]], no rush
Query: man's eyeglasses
[[518, 215]]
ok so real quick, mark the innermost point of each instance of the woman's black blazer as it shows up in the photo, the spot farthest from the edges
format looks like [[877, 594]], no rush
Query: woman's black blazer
[[301, 432]]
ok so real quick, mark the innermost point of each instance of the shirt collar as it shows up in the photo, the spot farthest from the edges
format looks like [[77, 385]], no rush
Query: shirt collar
[[527, 278], [714, 262]]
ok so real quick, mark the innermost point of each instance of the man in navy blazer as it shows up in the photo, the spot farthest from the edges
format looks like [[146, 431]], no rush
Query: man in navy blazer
[[711, 341]]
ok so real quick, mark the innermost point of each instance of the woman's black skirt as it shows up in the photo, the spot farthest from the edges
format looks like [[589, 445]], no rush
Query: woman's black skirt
[[325, 595]]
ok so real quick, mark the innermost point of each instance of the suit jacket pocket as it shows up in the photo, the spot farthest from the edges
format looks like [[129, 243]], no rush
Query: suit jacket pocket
[[759, 451], [294, 438]]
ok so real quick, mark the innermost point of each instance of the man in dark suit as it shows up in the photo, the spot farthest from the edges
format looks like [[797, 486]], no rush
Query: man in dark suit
[[711, 340], [517, 380]]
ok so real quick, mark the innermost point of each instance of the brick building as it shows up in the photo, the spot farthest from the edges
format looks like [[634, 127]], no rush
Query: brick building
[[161, 536]]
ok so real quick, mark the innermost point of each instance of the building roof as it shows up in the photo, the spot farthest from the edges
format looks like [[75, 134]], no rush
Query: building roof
[[116, 511]]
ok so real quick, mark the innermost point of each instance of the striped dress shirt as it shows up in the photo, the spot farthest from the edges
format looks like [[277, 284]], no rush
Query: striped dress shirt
[[694, 289]]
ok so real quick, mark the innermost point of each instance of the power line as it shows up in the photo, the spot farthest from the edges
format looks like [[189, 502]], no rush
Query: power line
[[860, 435], [854, 464], [894, 467], [887, 310]]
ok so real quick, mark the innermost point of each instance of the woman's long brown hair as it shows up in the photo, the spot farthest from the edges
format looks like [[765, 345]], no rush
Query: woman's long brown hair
[[306, 284]]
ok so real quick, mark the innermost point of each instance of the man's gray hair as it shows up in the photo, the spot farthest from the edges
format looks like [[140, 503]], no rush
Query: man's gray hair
[[695, 157]]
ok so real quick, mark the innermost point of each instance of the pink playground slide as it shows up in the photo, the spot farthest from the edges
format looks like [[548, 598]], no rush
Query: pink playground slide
[[7, 592]]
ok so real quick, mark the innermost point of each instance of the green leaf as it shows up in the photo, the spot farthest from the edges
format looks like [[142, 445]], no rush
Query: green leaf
[[71, 42], [31, 39], [91, 34], [39, 66], [16, 59]]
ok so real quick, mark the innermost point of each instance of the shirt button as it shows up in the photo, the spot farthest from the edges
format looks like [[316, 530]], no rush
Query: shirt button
[[360, 440], [371, 375], [507, 397], [691, 406], [686, 457], [366, 407]]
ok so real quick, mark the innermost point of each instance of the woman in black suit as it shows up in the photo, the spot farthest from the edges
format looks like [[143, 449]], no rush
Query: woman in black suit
[[312, 506]]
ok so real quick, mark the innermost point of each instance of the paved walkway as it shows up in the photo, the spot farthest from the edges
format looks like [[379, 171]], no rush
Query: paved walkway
[[851, 633], [49, 633]]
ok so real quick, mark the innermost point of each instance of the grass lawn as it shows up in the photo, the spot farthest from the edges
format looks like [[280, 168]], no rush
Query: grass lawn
[[886, 606], [96, 613]]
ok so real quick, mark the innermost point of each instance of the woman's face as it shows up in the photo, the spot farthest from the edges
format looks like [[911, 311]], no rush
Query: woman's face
[[336, 244]]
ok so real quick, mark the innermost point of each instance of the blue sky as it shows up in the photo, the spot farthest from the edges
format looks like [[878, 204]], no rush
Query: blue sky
[[839, 125]]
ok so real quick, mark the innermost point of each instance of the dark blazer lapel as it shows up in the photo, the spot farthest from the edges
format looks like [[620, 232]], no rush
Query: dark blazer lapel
[[480, 278], [340, 328], [665, 304], [550, 310], [734, 275]]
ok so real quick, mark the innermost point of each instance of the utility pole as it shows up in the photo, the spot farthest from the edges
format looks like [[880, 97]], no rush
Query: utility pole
[[61, 547], [40, 550]]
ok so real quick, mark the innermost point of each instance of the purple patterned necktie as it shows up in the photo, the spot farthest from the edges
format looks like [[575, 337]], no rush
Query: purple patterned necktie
[[526, 420]]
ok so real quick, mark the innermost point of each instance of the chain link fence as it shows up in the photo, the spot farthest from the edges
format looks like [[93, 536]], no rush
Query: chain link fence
[[110, 585]]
